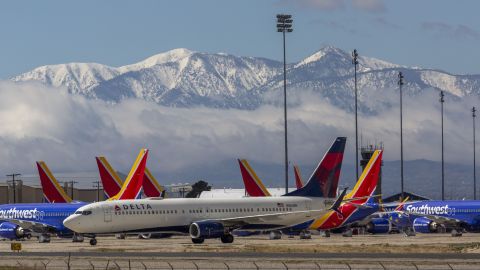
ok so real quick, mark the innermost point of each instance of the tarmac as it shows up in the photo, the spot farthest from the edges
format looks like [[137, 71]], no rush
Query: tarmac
[[424, 251]]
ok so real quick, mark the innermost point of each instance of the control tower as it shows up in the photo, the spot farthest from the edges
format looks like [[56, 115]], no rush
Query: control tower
[[367, 152]]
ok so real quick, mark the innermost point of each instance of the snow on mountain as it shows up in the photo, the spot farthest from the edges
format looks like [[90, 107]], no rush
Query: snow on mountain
[[181, 77]]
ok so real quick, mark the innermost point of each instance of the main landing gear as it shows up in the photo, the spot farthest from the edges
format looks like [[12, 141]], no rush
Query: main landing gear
[[44, 238], [198, 240], [456, 232], [227, 238], [93, 242]]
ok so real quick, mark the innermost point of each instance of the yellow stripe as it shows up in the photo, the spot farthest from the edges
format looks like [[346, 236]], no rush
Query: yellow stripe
[[297, 170], [364, 175], [255, 178], [54, 181], [319, 221], [130, 174], [153, 180], [111, 171]]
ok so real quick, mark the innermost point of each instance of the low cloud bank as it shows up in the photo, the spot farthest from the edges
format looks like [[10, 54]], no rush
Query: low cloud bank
[[67, 131]]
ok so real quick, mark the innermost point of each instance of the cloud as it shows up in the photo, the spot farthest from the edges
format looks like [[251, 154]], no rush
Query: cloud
[[441, 29], [67, 131], [373, 6]]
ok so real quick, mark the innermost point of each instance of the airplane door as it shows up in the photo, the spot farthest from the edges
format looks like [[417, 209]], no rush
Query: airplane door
[[308, 206], [107, 212]]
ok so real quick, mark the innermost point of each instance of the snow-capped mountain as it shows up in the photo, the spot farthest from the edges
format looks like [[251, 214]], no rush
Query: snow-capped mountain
[[186, 78]]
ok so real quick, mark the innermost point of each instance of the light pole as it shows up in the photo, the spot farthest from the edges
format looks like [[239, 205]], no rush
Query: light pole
[[355, 63], [474, 162], [400, 84], [96, 184], [284, 25], [71, 187], [442, 100], [13, 175]]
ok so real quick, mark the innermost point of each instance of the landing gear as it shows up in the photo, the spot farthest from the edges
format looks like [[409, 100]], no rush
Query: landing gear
[[409, 232], [44, 238], [305, 235], [227, 238], [456, 232], [275, 235], [93, 242], [347, 233], [198, 240], [325, 233], [77, 238], [120, 235]]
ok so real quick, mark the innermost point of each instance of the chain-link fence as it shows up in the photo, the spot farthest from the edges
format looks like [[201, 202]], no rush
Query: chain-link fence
[[214, 264]]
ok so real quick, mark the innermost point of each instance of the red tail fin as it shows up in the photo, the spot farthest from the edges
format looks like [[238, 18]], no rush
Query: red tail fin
[[298, 177], [253, 185], [52, 190], [151, 187], [133, 184], [112, 184]]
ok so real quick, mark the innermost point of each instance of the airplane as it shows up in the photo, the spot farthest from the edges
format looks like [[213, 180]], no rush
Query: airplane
[[298, 177], [112, 182], [22, 220], [52, 191], [357, 205], [205, 218], [428, 216]]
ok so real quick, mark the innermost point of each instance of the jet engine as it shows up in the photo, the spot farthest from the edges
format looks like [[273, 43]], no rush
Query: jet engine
[[425, 225], [379, 225], [11, 231], [205, 230]]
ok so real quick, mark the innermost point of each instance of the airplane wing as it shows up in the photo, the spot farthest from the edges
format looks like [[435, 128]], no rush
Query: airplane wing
[[34, 226], [239, 222]]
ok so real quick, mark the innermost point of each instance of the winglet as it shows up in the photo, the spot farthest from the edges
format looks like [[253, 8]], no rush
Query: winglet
[[52, 190], [253, 184], [402, 203], [336, 205], [133, 184], [151, 187], [298, 177], [111, 182]]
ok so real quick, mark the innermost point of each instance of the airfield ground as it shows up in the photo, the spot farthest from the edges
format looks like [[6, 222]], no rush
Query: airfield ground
[[432, 251]]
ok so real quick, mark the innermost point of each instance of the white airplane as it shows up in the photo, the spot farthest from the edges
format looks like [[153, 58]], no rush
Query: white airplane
[[203, 218]]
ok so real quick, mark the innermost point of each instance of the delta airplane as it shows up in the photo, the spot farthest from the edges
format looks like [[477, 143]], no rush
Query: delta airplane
[[356, 206], [207, 218], [112, 183], [21, 220]]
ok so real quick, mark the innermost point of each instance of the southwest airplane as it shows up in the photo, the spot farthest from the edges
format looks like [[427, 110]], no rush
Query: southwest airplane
[[298, 177], [355, 207], [52, 191], [207, 218], [428, 216], [112, 183], [44, 219]]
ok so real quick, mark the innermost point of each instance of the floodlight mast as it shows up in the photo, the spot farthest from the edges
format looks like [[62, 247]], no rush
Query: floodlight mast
[[355, 63], [400, 84], [474, 110], [284, 25], [442, 100]]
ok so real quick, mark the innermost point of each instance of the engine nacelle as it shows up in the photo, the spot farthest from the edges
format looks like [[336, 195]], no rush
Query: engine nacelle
[[11, 231], [205, 230], [379, 225], [425, 225]]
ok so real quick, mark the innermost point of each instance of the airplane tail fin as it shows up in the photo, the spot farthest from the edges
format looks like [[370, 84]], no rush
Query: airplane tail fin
[[52, 190], [366, 184], [324, 180], [111, 182], [298, 177], [253, 184], [133, 184], [151, 187]]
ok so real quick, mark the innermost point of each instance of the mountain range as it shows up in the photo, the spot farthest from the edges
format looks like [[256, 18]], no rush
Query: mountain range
[[184, 78]]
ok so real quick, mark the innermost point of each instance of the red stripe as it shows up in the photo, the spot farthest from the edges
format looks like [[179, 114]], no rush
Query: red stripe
[[251, 186], [109, 184]]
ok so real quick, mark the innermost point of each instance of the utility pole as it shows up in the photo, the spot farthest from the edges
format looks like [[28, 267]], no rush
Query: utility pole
[[284, 25], [474, 162], [442, 100], [14, 181], [96, 184], [355, 63], [71, 187], [400, 84]]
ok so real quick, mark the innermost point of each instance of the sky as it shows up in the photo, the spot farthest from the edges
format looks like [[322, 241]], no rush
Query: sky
[[430, 33]]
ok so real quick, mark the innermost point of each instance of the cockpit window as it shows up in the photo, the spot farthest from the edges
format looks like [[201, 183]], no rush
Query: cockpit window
[[87, 212], [78, 212]]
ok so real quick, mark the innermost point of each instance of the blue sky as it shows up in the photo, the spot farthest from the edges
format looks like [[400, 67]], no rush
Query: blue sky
[[433, 33]]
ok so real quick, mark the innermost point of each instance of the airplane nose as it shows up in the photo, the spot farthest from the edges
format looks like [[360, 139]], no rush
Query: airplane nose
[[72, 222]]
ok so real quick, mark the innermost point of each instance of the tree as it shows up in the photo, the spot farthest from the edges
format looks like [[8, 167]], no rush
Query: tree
[[197, 188]]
